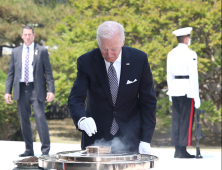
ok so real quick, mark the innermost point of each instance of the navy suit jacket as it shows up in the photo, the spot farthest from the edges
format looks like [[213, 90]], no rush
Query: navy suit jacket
[[135, 109]]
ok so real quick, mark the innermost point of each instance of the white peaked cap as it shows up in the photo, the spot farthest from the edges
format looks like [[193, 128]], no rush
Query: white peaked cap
[[182, 31]]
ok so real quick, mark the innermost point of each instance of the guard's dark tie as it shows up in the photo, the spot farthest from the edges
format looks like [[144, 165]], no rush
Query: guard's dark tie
[[113, 83]]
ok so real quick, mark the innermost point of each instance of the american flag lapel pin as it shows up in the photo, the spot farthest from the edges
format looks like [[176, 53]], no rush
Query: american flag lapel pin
[[127, 64]]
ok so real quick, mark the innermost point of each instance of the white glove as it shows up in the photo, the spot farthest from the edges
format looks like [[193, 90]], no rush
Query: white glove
[[197, 102], [145, 148], [88, 125], [170, 98]]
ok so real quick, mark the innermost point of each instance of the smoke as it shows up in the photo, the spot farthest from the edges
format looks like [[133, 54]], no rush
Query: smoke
[[117, 144]]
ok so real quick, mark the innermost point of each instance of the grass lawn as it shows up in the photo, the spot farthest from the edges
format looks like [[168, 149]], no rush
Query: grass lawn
[[62, 131]]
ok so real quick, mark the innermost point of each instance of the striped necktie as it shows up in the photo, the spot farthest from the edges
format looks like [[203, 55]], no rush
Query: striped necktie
[[113, 83]]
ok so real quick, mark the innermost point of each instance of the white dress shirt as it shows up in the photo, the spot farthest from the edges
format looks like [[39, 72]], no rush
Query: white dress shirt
[[182, 61], [116, 65], [31, 56]]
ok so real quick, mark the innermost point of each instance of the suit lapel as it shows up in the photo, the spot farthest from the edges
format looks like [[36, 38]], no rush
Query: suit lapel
[[101, 72], [36, 52], [20, 59], [126, 66]]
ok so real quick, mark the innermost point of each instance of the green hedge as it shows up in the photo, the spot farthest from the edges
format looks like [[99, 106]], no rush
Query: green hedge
[[148, 27], [9, 120]]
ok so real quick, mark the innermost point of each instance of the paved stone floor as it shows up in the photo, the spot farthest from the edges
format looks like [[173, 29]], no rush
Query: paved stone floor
[[211, 156]]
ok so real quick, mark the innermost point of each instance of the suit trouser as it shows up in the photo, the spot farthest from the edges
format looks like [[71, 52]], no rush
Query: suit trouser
[[182, 120], [27, 98]]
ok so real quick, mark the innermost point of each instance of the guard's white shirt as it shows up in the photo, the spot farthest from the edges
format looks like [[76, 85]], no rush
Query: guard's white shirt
[[31, 55], [182, 61]]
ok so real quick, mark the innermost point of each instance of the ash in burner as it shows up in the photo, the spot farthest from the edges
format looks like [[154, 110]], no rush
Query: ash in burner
[[98, 149], [117, 144], [30, 159]]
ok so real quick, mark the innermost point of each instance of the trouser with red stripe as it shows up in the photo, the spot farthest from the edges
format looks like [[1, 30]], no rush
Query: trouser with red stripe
[[182, 120]]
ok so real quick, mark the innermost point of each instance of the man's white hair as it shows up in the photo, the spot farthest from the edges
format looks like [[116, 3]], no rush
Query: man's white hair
[[108, 29]]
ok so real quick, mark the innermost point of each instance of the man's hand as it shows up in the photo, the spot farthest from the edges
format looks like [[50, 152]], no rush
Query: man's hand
[[88, 125], [49, 97], [8, 98], [145, 148]]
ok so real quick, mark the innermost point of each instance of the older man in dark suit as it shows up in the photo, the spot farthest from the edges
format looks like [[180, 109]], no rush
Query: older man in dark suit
[[29, 70], [118, 84]]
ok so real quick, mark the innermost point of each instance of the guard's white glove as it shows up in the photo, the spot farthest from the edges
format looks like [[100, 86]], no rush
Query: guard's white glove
[[145, 148], [197, 102], [170, 98], [88, 125]]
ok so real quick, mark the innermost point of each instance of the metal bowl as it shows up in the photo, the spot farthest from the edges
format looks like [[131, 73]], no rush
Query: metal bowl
[[17, 162], [81, 160], [26, 165]]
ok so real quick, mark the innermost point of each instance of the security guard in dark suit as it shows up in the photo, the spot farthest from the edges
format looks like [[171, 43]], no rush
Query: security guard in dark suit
[[29, 71]]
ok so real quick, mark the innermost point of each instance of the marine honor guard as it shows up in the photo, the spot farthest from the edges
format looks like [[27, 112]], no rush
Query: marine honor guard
[[183, 91]]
